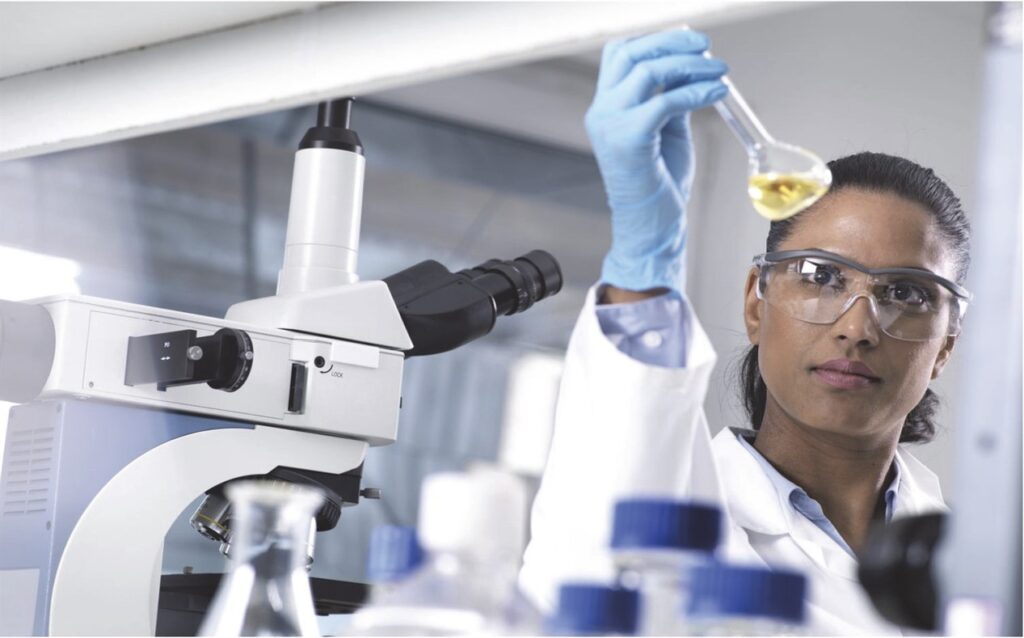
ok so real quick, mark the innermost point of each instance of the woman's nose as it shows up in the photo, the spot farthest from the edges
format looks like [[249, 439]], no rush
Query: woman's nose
[[859, 322]]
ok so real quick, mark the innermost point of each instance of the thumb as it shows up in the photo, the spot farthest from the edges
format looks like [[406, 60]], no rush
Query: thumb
[[677, 150]]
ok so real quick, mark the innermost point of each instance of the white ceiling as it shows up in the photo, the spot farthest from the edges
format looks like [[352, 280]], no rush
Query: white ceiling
[[39, 35], [541, 101], [133, 68]]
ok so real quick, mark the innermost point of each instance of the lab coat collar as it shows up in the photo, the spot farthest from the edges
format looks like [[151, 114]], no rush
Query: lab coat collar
[[747, 487], [755, 505], [753, 501]]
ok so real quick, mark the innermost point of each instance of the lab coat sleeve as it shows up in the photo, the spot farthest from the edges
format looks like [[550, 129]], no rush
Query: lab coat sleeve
[[653, 331], [622, 428]]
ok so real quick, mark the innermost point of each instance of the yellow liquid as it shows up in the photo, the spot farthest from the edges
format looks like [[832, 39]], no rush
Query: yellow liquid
[[778, 196]]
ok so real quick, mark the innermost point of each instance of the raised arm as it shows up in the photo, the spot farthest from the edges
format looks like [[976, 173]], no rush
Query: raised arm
[[628, 423]]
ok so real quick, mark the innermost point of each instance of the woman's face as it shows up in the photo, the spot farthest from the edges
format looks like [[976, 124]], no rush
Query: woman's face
[[877, 230]]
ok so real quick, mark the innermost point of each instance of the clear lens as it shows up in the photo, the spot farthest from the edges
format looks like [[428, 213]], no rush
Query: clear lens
[[817, 290]]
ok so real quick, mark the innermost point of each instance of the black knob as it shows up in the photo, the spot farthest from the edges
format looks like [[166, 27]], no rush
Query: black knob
[[233, 360]]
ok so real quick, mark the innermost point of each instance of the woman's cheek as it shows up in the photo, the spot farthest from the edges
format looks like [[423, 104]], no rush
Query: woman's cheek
[[912, 374]]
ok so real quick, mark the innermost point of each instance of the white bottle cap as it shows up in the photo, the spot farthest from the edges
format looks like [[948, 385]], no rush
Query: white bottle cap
[[479, 512]]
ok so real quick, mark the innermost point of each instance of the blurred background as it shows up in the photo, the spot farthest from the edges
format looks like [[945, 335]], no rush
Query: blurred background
[[494, 164]]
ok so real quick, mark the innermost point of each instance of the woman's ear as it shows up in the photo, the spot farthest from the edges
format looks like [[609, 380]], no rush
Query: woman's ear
[[752, 307], [943, 357]]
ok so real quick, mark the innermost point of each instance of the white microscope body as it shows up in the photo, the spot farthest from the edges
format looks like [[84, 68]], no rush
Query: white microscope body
[[129, 412]]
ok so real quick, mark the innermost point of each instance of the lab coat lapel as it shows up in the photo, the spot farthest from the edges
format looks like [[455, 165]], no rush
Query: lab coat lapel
[[821, 548], [919, 490], [753, 502], [755, 506]]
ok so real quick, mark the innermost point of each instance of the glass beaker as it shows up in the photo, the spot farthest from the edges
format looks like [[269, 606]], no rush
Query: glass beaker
[[783, 179], [267, 590]]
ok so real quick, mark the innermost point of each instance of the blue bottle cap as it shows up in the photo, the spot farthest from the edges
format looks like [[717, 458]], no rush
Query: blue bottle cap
[[649, 523], [729, 590], [394, 553], [591, 609]]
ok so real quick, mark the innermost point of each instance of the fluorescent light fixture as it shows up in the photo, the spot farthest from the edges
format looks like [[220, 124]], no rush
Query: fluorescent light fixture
[[27, 275]]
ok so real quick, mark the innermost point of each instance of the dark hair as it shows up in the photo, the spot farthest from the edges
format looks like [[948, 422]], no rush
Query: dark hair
[[886, 173]]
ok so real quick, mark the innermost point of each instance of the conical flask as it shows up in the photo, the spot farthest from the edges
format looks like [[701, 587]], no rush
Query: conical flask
[[267, 591], [783, 179]]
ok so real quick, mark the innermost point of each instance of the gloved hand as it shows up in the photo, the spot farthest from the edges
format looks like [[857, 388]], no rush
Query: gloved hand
[[639, 128]]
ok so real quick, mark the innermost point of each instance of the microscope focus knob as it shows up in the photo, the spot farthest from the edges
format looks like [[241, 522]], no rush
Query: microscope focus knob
[[234, 359]]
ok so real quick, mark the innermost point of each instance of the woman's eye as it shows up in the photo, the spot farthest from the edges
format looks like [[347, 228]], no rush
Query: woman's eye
[[908, 294], [823, 277], [817, 275]]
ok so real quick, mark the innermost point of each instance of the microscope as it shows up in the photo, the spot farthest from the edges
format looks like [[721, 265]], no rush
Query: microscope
[[128, 413]]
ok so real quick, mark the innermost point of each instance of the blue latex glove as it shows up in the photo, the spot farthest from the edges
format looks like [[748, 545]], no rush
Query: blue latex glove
[[639, 128]]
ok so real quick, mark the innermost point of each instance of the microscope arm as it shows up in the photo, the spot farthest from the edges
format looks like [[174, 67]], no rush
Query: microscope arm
[[109, 576]]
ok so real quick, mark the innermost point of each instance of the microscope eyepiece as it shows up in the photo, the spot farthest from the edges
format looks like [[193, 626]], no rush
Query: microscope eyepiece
[[517, 284], [442, 310], [335, 113], [332, 130]]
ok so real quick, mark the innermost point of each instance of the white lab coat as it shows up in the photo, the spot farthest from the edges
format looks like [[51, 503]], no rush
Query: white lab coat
[[625, 428]]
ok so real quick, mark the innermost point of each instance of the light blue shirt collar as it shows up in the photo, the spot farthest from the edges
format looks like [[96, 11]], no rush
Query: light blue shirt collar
[[810, 508]]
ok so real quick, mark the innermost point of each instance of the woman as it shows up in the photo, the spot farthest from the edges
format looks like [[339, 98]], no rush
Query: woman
[[851, 313]]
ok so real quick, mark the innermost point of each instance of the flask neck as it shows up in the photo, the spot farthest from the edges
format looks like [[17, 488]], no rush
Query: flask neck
[[743, 122], [273, 540], [266, 592]]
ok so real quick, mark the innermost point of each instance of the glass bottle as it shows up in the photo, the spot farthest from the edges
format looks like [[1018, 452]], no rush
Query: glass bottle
[[471, 528], [656, 543], [267, 590]]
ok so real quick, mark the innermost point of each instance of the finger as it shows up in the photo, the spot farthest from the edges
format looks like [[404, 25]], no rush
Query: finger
[[622, 57], [670, 72], [676, 147], [656, 112], [606, 55]]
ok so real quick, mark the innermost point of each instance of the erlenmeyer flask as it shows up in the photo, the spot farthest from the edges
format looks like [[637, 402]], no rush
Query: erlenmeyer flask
[[783, 179], [267, 591]]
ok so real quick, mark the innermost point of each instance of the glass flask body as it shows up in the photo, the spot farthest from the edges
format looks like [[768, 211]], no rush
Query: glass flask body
[[267, 590]]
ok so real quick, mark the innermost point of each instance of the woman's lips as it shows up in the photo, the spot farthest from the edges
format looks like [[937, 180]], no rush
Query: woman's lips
[[842, 379]]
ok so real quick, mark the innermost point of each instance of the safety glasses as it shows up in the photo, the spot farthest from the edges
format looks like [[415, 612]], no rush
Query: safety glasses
[[818, 287]]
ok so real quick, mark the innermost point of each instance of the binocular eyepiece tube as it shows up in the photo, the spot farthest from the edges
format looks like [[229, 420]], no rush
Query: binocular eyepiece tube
[[517, 284], [443, 310]]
